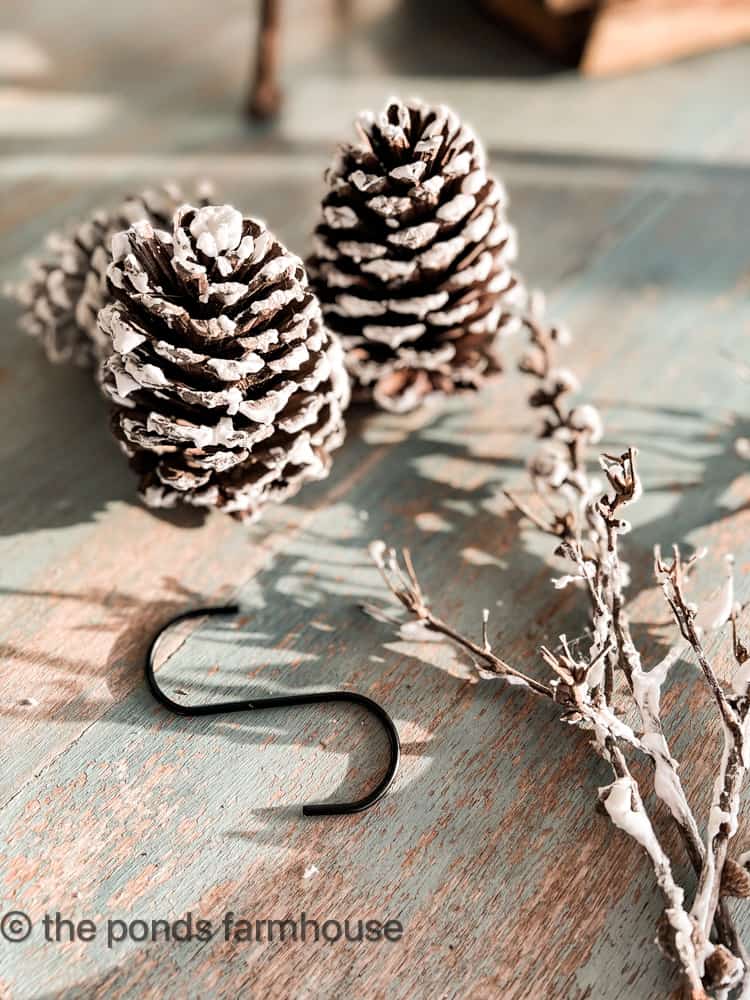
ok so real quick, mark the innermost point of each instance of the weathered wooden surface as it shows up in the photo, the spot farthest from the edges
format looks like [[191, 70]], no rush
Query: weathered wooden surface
[[631, 200]]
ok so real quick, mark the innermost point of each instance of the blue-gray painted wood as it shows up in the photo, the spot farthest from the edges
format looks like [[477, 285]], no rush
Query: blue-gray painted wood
[[630, 198]]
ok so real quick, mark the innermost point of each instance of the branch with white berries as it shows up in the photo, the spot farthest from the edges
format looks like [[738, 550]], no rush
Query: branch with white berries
[[595, 689]]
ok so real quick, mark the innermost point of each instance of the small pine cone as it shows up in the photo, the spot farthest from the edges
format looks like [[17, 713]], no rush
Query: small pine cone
[[412, 256], [228, 389], [66, 288]]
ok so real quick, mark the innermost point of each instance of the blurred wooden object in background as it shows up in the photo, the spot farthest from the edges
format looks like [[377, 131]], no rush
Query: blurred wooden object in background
[[264, 100], [604, 37], [601, 37]]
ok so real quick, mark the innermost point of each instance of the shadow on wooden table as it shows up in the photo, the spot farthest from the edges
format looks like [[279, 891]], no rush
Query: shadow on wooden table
[[445, 506], [448, 39], [695, 463], [436, 490]]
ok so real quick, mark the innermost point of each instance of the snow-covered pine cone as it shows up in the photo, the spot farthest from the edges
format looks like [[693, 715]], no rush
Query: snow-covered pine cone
[[66, 288], [412, 256], [229, 391]]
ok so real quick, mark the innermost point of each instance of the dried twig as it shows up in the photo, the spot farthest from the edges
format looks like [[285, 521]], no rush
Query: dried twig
[[587, 525]]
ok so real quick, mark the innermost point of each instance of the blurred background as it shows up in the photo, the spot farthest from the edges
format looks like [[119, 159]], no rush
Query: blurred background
[[95, 95], [178, 79], [91, 93]]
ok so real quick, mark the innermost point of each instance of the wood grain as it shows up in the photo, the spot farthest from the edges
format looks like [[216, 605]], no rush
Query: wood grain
[[488, 850]]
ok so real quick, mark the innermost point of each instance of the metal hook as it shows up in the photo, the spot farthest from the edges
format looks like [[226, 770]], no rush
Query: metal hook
[[315, 698]]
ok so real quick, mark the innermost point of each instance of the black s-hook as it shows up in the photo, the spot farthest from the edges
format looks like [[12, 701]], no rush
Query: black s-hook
[[315, 698]]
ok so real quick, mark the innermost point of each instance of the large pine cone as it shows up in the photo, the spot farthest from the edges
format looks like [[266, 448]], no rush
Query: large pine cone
[[228, 389], [66, 288], [412, 256]]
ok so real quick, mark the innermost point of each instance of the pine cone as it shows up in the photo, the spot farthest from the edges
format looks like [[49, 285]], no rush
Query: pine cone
[[228, 389], [412, 257], [66, 288]]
